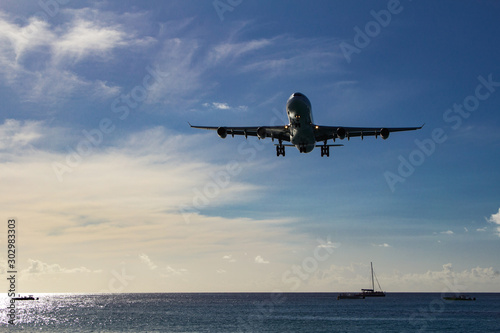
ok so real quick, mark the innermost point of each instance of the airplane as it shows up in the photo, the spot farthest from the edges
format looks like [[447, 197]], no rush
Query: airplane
[[301, 131]]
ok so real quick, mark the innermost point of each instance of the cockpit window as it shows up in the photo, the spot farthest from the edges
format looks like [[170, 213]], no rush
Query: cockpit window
[[297, 94]]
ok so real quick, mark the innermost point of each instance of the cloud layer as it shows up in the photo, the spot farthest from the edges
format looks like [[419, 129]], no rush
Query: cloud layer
[[495, 219], [123, 201], [44, 55]]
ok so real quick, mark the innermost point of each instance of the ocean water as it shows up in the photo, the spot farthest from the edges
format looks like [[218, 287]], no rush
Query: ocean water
[[253, 312]]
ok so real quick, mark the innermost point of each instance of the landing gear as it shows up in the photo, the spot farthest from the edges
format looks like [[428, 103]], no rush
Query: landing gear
[[280, 149], [325, 150]]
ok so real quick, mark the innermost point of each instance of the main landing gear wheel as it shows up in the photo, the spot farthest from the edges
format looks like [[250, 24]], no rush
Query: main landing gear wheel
[[280, 149], [325, 150]]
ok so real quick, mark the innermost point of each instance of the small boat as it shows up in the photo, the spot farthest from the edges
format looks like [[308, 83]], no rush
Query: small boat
[[351, 296], [459, 298], [25, 298], [372, 292]]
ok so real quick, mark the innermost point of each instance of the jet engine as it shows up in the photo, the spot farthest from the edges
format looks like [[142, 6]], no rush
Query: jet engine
[[384, 133], [222, 132], [341, 133], [261, 132]]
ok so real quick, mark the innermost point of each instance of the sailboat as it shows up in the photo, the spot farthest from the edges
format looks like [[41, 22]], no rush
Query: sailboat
[[372, 292]]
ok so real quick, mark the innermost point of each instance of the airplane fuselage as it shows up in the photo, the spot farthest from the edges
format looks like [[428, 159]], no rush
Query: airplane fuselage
[[299, 112], [301, 132]]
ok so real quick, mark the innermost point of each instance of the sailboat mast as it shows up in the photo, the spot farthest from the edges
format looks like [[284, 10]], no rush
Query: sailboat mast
[[373, 284]]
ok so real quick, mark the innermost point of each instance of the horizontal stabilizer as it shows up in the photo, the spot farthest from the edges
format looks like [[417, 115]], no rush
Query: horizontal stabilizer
[[289, 145], [329, 145]]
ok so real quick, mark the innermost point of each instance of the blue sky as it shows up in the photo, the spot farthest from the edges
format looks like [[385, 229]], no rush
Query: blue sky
[[115, 192]]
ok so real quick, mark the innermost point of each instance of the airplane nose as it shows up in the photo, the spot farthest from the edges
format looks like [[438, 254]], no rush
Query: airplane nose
[[298, 100]]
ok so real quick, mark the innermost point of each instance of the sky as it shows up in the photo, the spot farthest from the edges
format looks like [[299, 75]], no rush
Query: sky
[[112, 191]]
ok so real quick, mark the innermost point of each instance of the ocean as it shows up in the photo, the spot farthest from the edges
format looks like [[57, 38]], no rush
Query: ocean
[[253, 312]]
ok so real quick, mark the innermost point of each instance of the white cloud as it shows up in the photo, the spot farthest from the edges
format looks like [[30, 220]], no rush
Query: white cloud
[[260, 260], [38, 267], [447, 232], [145, 259], [446, 279], [16, 40], [51, 84], [169, 271], [37, 60], [228, 51], [17, 134], [229, 258], [481, 229], [101, 89], [329, 244], [382, 245], [221, 106], [224, 106], [185, 83], [495, 219], [89, 32], [86, 39]]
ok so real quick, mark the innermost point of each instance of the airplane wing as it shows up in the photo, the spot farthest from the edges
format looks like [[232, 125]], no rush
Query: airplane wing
[[324, 133], [274, 132]]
